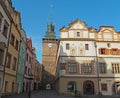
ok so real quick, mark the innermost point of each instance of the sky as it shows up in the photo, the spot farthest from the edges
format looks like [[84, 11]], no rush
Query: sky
[[35, 15]]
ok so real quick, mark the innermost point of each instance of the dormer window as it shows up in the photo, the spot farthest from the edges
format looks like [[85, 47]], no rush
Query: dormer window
[[78, 34]]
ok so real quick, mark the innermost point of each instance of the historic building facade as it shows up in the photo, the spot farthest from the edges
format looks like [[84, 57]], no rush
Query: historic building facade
[[5, 25], [88, 60], [28, 66], [21, 61], [49, 53], [37, 72], [10, 83]]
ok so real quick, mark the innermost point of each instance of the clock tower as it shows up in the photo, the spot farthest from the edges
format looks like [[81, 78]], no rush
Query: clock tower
[[49, 55]]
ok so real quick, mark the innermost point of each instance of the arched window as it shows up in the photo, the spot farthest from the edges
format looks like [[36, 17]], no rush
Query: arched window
[[71, 86]]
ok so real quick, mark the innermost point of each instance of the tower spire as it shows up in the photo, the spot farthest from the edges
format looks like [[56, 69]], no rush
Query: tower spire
[[51, 6], [50, 33]]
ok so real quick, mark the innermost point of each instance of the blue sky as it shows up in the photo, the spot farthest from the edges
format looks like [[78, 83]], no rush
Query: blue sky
[[35, 15]]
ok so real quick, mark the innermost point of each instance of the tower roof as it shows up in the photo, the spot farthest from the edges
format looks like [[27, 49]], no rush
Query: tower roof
[[50, 33]]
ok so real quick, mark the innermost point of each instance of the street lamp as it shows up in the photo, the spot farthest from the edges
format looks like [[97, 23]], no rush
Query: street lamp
[[30, 78], [97, 67]]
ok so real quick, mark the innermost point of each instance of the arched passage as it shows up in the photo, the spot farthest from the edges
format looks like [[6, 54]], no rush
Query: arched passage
[[116, 87]]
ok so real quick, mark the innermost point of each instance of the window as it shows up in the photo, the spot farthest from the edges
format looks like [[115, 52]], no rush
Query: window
[[1, 56], [27, 57], [115, 68], [8, 60], [114, 51], [6, 86], [102, 67], [5, 29], [67, 46], [104, 87], [12, 39], [14, 63], [71, 86], [1, 20], [87, 68], [26, 70], [86, 47], [30, 59], [102, 51], [72, 67], [16, 45], [78, 34], [108, 45]]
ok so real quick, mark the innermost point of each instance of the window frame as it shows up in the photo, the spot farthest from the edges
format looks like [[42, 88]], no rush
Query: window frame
[[87, 68], [67, 46], [8, 62], [86, 46], [1, 18], [78, 34], [12, 40], [104, 87], [102, 67], [5, 29], [72, 67]]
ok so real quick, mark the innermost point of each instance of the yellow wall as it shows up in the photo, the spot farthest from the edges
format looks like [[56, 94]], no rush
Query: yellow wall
[[10, 74]]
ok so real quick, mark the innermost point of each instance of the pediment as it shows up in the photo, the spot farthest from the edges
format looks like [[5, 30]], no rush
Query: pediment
[[77, 25], [63, 29], [107, 31]]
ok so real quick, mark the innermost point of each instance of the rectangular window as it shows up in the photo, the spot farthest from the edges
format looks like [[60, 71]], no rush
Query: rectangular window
[[16, 45], [87, 68], [8, 60], [12, 39], [86, 47], [1, 17], [72, 67], [103, 51], [67, 46], [6, 86], [102, 67], [5, 29], [78, 34], [14, 63], [27, 57], [1, 56], [26, 70], [115, 68], [104, 87], [114, 51]]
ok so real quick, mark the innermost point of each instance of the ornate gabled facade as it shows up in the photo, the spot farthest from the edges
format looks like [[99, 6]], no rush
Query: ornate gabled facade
[[88, 60], [49, 53]]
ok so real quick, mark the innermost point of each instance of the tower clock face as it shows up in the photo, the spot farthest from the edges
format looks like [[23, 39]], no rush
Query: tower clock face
[[50, 45]]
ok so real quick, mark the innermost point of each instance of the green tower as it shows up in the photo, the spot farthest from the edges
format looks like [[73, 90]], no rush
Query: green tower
[[50, 33]]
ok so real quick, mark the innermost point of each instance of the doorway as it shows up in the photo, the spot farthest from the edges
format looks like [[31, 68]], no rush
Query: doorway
[[88, 88]]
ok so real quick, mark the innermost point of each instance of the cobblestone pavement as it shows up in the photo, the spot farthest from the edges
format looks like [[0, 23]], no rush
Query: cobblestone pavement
[[53, 94]]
